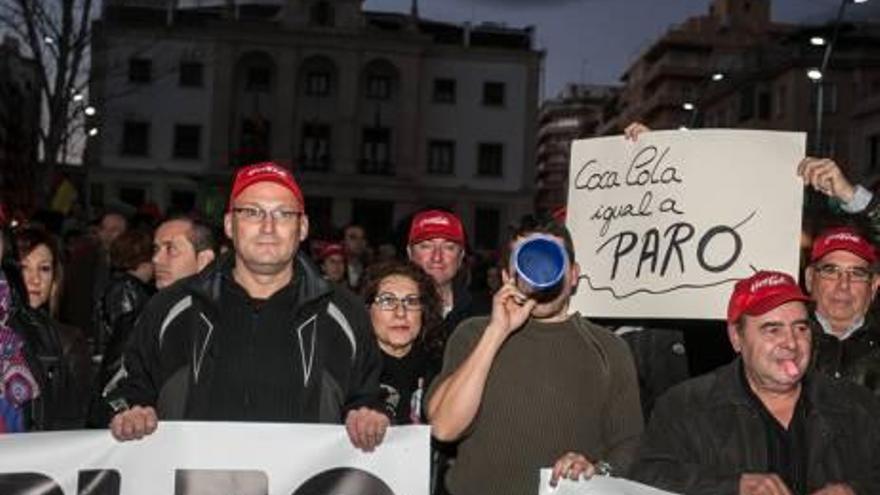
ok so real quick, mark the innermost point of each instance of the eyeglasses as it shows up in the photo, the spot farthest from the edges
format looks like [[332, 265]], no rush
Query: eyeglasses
[[853, 274], [390, 302], [255, 214]]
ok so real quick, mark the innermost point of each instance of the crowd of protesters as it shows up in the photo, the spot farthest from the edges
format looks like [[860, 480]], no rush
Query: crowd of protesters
[[138, 320]]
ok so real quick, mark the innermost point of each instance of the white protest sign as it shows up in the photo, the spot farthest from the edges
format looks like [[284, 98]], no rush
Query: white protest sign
[[190, 458], [597, 485], [665, 225]]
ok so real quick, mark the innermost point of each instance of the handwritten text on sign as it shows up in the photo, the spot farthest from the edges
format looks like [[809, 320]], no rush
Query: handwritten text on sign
[[663, 226]]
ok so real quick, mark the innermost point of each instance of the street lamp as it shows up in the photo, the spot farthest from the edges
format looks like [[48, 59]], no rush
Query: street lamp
[[691, 106], [817, 41], [816, 75], [90, 111]]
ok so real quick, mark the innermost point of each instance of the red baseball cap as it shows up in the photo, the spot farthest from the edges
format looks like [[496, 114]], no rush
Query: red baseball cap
[[762, 292], [843, 239], [265, 172], [331, 250], [431, 224]]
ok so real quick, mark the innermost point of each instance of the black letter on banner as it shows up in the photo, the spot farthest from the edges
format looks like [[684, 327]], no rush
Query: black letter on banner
[[202, 481], [618, 252], [98, 482], [704, 242], [344, 481], [650, 250], [29, 483], [675, 244]]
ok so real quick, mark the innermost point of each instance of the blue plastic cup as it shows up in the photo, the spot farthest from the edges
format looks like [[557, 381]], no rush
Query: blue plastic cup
[[539, 262]]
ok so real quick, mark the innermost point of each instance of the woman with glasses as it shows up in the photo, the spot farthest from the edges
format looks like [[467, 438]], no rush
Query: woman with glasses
[[404, 308]]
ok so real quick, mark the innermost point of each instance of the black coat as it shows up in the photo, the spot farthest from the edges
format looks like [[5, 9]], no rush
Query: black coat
[[856, 358], [172, 357], [58, 356], [705, 433]]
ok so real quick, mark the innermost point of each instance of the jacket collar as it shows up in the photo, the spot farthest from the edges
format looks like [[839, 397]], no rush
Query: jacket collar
[[816, 387], [310, 285]]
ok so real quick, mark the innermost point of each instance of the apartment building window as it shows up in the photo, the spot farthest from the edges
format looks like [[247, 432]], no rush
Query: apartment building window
[[493, 94], [441, 157], [378, 87], [490, 159], [322, 14], [764, 105], [747, 103], [314, 153], [318, 83], [187, 141], [444, 90], [376, 151], [140, 70], [135, 138], [258, 79], [191, 74], [487, 228], [254, 141], [781, 96]]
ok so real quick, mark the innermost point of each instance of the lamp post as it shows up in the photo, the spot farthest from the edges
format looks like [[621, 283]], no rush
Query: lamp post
[[818, 75]]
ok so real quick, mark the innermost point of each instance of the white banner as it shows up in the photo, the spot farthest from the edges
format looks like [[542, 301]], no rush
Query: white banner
[[190, 458], [597, 485], [664, 226]]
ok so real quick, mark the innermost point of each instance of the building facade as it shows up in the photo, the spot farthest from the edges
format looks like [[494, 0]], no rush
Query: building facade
[[575, 113], [378, 114], [681, 66]]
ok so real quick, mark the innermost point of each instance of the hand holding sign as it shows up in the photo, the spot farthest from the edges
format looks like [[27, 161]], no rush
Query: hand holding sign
[[826, 177]]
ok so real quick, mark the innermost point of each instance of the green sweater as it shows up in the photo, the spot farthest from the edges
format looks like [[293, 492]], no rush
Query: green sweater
[[553, 388]]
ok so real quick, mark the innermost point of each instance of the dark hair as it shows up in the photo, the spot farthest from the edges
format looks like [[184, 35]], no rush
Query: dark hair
[[29, 238], [540, 225], [201, 235], [431, 305], [131, 249], [11, 268]]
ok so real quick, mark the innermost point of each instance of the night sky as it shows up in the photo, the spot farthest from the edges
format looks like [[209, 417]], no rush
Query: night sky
[[594, 41]]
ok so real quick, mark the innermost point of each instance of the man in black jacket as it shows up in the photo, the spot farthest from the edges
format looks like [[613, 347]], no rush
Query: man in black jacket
[[843, 280], [764, 424], [257, 336]]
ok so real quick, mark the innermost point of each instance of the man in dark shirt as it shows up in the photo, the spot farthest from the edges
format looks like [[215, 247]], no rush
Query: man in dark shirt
[[764, 424], [257, 336]]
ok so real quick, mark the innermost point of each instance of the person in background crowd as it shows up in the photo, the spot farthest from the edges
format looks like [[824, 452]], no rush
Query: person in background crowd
[[122, 303], [182, 246], [259, 335], [357, 253], [58, 354], [332, 258], [436, 243], [18, 383], [386, 251], [532, 381], [842, 279], [403, 306], [764, 424], [88, 273]]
